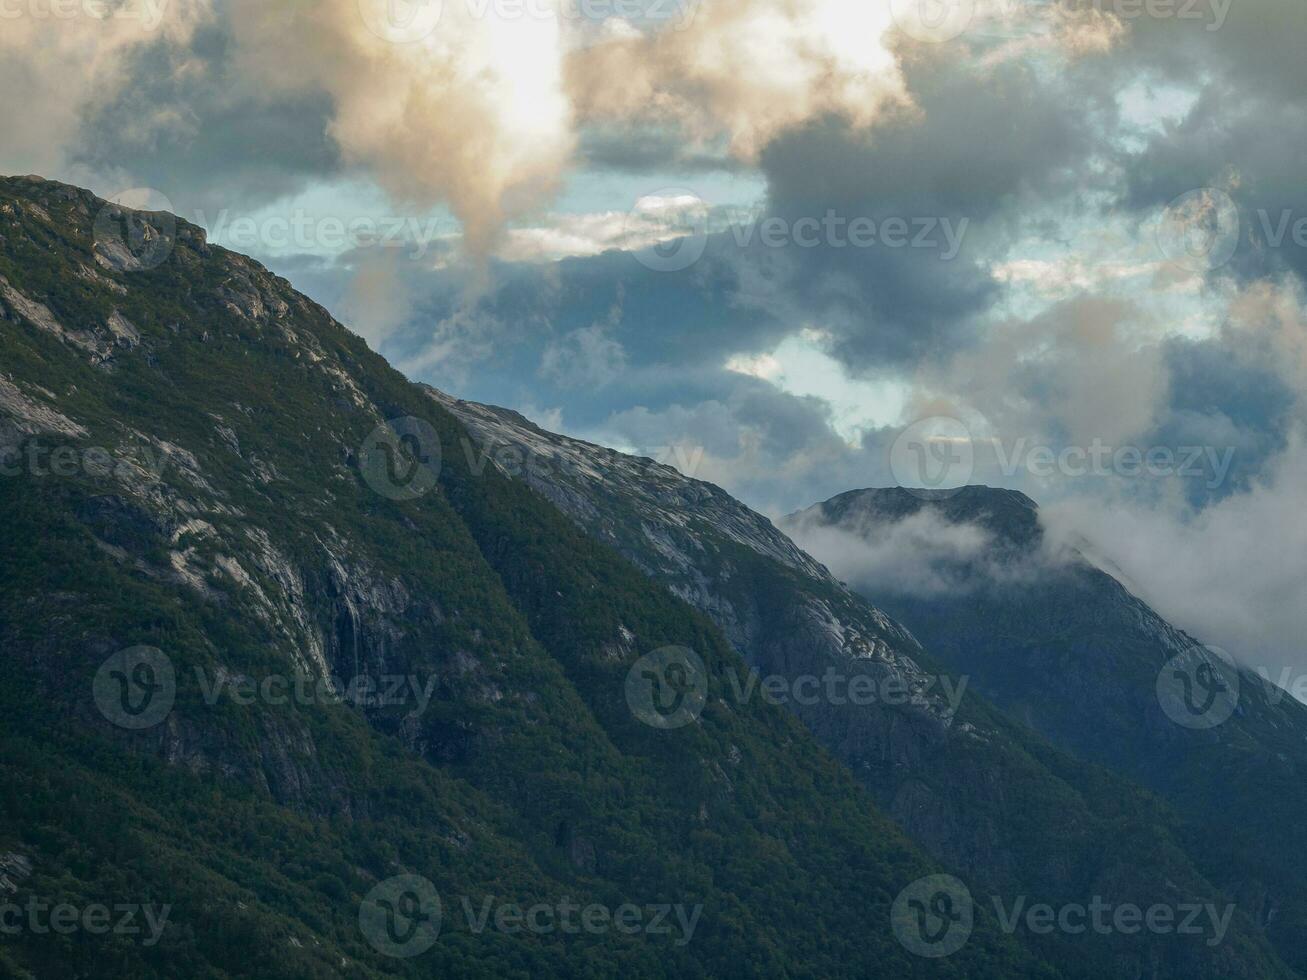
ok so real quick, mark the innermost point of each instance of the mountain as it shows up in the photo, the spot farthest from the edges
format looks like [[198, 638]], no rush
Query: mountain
[[228, 533], [297, 685], [984, 795], [1052, 635]]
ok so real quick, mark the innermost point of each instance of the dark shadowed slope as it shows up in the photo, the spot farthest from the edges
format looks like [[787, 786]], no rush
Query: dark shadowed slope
[[981, 793], [1057, 640], [196, 463]]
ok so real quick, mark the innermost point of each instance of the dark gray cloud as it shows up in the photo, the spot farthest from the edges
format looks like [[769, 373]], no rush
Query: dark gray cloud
[[1226, 392], [650, 149], [188, 125], [984, 147], [1245, 134]]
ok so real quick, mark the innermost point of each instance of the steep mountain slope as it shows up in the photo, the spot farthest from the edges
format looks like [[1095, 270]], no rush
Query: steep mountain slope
[[1056, 639], [982, 794], [208, 515]]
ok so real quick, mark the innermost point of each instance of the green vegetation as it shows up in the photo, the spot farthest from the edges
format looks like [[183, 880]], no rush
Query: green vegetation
[[262, 826]]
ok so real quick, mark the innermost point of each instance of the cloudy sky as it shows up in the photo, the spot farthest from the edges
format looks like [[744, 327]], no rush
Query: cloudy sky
[[815, 244]]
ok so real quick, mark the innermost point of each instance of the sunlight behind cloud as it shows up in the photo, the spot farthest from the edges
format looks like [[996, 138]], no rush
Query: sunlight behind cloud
[[801, 367]]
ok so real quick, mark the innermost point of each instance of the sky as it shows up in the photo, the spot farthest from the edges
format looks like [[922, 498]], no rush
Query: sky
[[1054, 245]]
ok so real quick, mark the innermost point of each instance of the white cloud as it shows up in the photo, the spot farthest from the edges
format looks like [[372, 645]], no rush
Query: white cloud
[[54, 69], [746, 70], [1232, 574], [472, 114], [923, 556]]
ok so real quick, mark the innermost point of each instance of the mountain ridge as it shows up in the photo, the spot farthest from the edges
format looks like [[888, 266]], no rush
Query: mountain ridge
[[268, 540], [882, 744], [274, 505], [1054, 649]]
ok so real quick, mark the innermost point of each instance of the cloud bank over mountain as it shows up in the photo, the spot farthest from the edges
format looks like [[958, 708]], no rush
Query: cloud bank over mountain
[[775, 232]]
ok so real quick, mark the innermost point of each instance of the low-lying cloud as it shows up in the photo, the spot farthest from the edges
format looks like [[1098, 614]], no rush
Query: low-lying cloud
[[1233, 573], [923, 555]]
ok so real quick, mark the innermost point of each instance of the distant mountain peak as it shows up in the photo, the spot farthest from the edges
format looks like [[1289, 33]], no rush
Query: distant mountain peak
[[1009, 515]]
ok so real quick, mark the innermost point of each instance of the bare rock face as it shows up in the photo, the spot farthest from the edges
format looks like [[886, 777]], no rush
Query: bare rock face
[[913, 742]]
